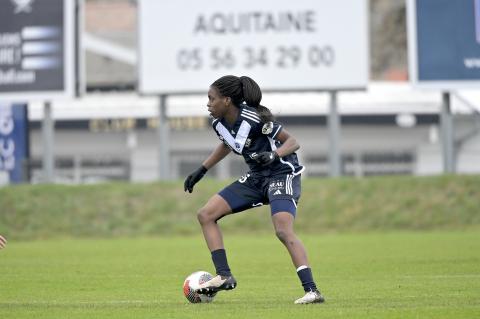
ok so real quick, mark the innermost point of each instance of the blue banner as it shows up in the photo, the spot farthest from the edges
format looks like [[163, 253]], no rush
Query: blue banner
[[477, 19], [14, 141], [448, 40]]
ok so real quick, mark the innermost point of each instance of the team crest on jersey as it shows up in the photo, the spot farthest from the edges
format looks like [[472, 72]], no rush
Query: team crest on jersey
[[237, 146], [267, 128]]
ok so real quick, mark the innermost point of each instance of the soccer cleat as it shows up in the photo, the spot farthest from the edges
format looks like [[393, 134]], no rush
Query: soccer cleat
[[313, 296], [216, 284]]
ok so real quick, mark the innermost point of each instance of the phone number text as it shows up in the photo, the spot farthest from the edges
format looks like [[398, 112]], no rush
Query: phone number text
[[284, 57]]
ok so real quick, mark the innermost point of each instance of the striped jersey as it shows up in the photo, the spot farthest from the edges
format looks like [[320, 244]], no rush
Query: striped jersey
[[249, 136]]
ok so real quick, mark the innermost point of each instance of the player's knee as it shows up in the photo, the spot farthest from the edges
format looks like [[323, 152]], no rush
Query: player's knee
[[287, 237], [204, 216], [282, 235]]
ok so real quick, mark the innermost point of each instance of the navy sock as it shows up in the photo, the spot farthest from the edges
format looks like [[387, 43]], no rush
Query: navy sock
[[305, 275], [219, 258]]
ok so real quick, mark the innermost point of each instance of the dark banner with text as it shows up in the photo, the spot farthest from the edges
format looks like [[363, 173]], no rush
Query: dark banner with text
[[445, 42], [36, 47]]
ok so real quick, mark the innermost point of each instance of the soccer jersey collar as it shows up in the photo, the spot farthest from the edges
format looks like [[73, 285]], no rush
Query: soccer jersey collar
[[234, 128]]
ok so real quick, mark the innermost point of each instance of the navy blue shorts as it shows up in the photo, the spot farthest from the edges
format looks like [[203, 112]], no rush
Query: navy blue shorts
[[282, 192]]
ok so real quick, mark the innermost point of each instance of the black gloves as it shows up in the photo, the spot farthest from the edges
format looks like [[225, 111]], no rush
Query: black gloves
[[193, 178], [266, 158]]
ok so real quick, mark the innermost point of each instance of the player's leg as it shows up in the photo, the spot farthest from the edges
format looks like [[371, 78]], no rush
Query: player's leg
[[283, 193], [214, 209], [236, 197], [283, 224]]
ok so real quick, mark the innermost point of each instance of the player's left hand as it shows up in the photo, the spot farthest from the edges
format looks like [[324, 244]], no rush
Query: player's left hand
[[266, 158]]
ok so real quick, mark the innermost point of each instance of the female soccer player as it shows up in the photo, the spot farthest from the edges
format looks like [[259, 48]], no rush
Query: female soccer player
[[247, 128]]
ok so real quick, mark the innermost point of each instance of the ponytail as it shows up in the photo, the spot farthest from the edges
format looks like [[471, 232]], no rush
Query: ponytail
[[265, 114], [252, 94], [243, 89]]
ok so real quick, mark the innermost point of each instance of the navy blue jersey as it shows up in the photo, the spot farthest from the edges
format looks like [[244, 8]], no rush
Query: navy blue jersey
[[249, 136]]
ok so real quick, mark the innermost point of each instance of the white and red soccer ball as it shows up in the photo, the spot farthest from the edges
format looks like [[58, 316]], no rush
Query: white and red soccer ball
[[192, 283]]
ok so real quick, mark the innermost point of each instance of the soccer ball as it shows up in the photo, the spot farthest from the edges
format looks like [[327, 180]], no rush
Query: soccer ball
[[191, 284]]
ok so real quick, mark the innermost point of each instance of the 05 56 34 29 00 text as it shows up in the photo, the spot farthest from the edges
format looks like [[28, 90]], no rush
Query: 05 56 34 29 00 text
[[283, 57]]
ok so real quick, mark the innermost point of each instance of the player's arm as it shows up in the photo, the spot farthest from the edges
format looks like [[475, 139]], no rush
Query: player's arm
[[289, 145], [216, 156]]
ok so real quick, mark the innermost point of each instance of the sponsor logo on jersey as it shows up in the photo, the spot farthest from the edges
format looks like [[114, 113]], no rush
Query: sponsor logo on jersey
[[248, 142], [276, 184], [276, 187]]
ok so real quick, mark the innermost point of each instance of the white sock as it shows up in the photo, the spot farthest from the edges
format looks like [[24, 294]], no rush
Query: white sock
[[301, 267]]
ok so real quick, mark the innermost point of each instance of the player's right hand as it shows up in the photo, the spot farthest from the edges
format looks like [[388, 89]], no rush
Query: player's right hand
[[193, 178], [266, 158]]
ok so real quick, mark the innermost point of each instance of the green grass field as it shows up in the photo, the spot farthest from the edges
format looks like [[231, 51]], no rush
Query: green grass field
[[363, 275]]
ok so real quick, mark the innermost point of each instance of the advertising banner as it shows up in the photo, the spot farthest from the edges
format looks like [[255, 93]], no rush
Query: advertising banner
[[281, 44], [37, 42], [444, 43], [14, 142]]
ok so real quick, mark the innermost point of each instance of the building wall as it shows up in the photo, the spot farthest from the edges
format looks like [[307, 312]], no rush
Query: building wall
[[83, 155]]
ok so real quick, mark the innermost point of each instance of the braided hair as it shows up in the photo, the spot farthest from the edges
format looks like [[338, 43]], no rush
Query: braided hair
[[243, 89]]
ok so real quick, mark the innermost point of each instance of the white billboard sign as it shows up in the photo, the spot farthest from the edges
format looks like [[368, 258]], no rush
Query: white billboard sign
[[284, 45]]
